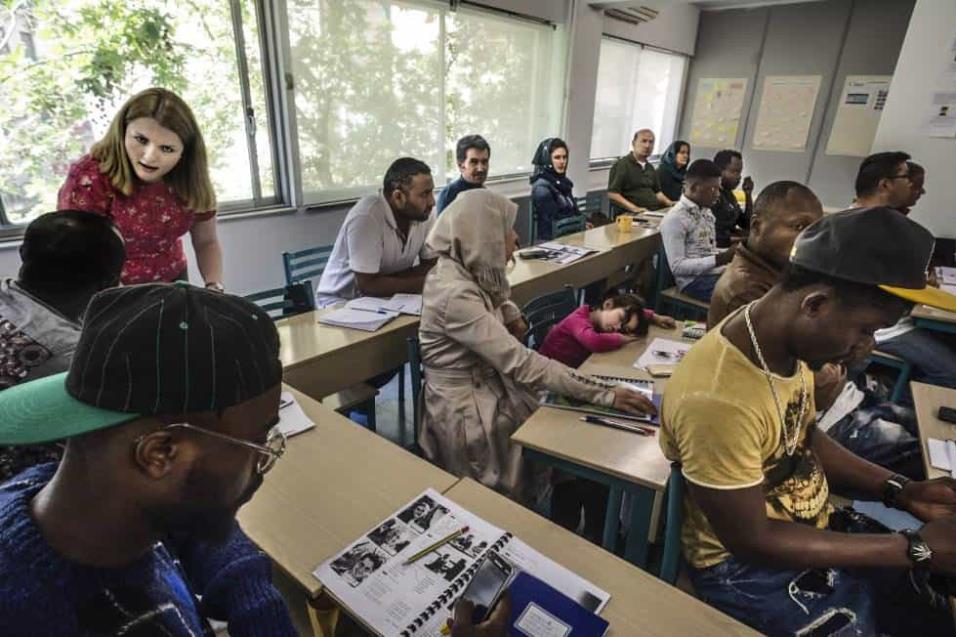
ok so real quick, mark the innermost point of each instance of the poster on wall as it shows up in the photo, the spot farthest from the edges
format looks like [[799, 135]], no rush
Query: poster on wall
[[786, 110], [717, 107], [942, 119], [858, 115]]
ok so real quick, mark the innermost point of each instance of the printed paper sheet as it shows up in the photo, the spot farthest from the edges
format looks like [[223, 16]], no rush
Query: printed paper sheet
[[786, 110], [717, 108], [858, 115]]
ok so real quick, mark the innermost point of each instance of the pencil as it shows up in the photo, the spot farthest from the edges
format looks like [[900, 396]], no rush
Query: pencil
[[428, 549]]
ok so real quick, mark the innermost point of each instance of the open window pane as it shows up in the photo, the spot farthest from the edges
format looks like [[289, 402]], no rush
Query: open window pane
[[377, 80], [66, 66], [505, 82], [637, 88], [367, 90]]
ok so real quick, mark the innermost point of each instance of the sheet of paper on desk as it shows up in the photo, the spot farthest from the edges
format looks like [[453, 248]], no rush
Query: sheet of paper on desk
[[407, 304], [292, 420], [946, 275], [662, 351], [367, 321], [942, 454], [397, 304], [563, 254], [371, 579]]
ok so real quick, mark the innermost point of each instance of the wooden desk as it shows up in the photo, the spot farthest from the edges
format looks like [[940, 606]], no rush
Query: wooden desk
[[934, 319], [625, 462], [616, 250], [640, 604], [333, 483], [321, 359], [927, 399]]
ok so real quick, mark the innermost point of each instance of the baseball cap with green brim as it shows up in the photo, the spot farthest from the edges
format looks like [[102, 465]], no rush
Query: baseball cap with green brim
[[873, 246], [148, 350]]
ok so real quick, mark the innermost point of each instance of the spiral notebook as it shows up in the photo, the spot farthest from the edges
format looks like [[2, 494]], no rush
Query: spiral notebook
[[646, 387], [371, 579]]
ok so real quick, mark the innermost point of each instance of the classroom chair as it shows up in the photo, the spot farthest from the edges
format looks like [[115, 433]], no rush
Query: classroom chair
[[667, 295], [904, 371], [570, 225], [671, 556], [310, 264], [417, 374], [305, 264], [546, 311], [283, 302], [298, 298]]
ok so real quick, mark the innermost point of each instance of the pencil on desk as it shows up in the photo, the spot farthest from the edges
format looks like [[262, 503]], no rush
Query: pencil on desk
[[428, 549]]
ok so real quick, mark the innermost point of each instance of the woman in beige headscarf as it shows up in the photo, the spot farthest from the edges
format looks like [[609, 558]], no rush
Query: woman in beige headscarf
[[479, 379]]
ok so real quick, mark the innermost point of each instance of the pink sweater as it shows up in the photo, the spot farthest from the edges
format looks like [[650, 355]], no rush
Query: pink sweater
[[572, 340]]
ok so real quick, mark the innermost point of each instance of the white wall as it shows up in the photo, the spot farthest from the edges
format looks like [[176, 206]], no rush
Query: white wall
[[674, 29], [920, 72]]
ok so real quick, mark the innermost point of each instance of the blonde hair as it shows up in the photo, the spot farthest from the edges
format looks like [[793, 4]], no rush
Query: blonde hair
[[189, 179]]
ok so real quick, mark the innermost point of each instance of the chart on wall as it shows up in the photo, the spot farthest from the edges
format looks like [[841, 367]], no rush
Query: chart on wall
[[786, 110], [717, 109], [858, 115]]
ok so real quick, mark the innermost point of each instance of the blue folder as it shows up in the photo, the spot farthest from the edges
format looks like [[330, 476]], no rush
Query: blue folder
[[534, 602]]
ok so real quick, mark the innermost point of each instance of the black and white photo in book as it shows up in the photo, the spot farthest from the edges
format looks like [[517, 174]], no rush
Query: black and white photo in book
[[395, 596], [359, 562], [467, 545], [392, 535], [448, 564], [423, 513]]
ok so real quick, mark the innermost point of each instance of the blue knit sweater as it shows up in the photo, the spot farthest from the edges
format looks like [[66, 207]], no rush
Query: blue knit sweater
[[41, 593]]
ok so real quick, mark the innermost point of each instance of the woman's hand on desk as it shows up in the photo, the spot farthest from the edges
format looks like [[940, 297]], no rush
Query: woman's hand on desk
[[633, 402]]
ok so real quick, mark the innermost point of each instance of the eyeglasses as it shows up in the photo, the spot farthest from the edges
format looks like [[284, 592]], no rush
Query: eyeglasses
[[269, 453], [907, 176]]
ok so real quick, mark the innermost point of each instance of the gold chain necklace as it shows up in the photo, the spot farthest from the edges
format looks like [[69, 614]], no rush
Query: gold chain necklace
[[790, 438]]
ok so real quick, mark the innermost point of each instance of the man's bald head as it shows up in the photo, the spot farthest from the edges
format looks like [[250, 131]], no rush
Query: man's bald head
[[782, 210]]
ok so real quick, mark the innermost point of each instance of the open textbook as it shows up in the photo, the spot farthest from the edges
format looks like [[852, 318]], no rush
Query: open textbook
[[553, 399], [371, 579], [369, 313]]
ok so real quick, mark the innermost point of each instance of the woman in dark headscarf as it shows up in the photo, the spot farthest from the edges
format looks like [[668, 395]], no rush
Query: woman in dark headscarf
[[550, 188], [672, 169]]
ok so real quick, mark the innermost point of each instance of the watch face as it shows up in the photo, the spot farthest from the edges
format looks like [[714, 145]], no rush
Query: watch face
[[920, 551]]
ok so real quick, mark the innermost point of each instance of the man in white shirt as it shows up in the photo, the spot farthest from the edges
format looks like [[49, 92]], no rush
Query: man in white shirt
[[380, 249], [689, 233]]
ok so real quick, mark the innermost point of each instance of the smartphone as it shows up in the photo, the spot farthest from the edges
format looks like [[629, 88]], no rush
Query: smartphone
[[947, 414], [492, 578]]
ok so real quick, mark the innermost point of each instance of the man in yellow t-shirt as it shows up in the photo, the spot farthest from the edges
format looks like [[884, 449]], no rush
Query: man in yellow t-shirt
[[760, 536]]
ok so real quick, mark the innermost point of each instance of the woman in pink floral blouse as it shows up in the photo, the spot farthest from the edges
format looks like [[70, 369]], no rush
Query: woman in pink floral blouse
[[150, 176]]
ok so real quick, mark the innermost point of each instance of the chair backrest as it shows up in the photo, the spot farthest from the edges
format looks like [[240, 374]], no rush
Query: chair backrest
[[285, 301], [545, 311], [665, 279], [569, 225], [305, 264], [670, 559], [415, 372]]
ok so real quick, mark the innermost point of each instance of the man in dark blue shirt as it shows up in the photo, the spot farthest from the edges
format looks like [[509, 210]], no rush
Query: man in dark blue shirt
[[473, 154], [168, 412]]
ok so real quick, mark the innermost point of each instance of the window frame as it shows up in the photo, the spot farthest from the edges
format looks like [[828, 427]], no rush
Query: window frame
[[279, 92], [603, 163]]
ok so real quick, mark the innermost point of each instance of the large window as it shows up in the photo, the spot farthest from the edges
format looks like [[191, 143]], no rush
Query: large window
[[375, 80], [300, 102], [67, 65], [637, 87]]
